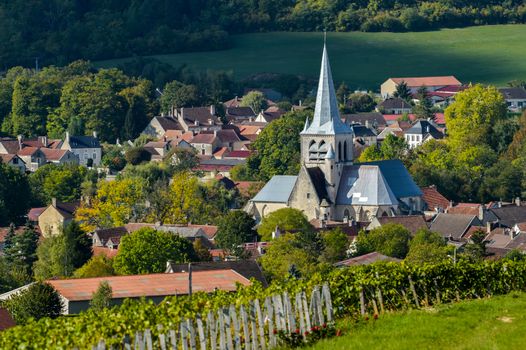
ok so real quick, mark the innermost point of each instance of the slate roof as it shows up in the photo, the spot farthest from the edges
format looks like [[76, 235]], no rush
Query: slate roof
[[83, 142], [423, 127], [428, 81], [434, 199], [200, 114], [513, 93], [366, 259], [510, 215], [374, 118], [277, 190], [362, 131], [395, 103], [169, 123], [246, 268], [34, 213], [67, 210], [364, 185], [239, 112], [115, 232], [398, 178], [162, 284], [453, 225], [318, 181]]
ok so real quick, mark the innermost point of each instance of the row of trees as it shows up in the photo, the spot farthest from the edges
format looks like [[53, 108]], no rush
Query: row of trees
[[53, 30]]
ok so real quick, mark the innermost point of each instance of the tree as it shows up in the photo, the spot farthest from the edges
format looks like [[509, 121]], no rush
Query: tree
[[336, 244], [113, 158], [471, 117], [285, 252], [476, 248], [286, 220], [187, 203], [147, 251], [362, 102], [277, 147], [101, 298], [424, 108], [62, 182], [38, 301], [97, 266], [390, 239], [393, 147], [15, 195], [177, 95], [403, 91], [182, 159], [59, 256], [427, 247], [115, 204], [255, 100], [137, 155], [20, 252], [342, 92], [234, 229], [201, 251]]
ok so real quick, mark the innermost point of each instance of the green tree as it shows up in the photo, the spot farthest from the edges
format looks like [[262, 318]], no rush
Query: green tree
[[97, 266], [15, 195], [255, 100], [101, 298], [424, 108], [38, 301], [113, 158], [187, 199], [137, 155], [286, 220], [342, 93], [183, 159], [476, 248], [177, 95], [427, 247], [285, 252], [277, 147], [234, 229], [147, 251], [362, 102], [20, 252], [62, 182], [336, 244], [403, 91], [201, 251], [390, 239], [393, 147]]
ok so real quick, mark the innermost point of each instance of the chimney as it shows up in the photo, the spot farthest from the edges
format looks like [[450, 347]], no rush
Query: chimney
[[94, 134], [215, 133], [481, 212], [323, 224], [43, 140], [450, 204], [489, 227], [196, 123], [19, 138], [300, 103], [367, 124], [518, 201], [212, 110], [427, 129], [54, 202], [210, 121], [67, 136], [499, 204]]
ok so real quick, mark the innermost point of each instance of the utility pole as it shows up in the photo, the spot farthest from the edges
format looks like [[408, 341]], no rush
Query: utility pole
[[190, 279], [36, 64]]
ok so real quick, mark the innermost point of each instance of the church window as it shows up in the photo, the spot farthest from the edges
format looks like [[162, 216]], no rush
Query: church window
[[313, 150], [322, 150], [339, 151], [345, 151], [308, 195]]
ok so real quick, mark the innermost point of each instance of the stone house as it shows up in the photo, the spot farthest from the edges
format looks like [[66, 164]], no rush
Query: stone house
[[388, 88], [198, 119], [394, 105], [159, 126], [33, 158], [56, 216], [421, 132], [515, 98], [86, 148], [14, 160]]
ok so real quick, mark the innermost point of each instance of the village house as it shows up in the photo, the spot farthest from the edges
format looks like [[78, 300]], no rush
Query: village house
[[159, 126], [270, 114], [158, 149], [76, 294], [372, 120], [59, 156], [412, 223], [454, 227], [198, 119], [329, 185], [394, 105], [422, 131], [56, 216], [86, 148], [434, 201], [388, 88], [14, 160], [33, 158], [363, 135], [515, 98], [239, 114], [444, 96]]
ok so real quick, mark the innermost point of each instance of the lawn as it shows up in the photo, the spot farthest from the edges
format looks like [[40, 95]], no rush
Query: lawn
[[488, 54], [496, 323]]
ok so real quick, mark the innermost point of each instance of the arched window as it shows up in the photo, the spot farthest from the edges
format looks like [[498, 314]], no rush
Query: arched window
[[313, 150], [339, 151], [322, 150], [345, 151], [346, 214]]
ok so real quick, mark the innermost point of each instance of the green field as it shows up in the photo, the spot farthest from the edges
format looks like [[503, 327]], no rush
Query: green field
[[488, 54], [496, 323]]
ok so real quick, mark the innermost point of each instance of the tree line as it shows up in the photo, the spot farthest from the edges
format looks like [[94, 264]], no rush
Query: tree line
[[58, 31]]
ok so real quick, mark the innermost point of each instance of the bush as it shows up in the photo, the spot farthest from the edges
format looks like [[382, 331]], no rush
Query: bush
[[38, 301], [137, 155]]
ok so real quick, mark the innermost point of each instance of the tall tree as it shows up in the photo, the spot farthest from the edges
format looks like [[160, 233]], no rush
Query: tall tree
[[403, 91], [285, 220], [101, 299], [234, 229], [255, 100], [21, 250], [424, 108]]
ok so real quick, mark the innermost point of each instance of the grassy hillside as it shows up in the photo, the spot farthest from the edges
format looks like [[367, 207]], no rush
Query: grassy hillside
[[495, 323], [488, 54]]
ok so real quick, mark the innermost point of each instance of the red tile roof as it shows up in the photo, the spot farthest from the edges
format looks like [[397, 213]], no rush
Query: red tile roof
[[366, 259], [109, 253], [53, 154], [428, 81], [34, 213], [209, 230], [27, 151], [203, 138], [6, 321], [161, 284], [465, 208], [434, 199], [238, 154]]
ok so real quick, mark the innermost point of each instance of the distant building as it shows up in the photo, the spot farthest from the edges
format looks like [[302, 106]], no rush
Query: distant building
[[515, 98], [412, 223], [421, 132], [374, 120], [198, 119], [56, 216], [159, 126], [394, 105], [388, 88], [86, 148], [14, 160]]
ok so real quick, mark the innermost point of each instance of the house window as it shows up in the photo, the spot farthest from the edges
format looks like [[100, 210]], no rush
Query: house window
[[94, 156], [308, 195]]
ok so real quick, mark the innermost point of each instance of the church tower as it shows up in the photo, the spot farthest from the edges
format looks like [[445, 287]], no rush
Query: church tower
[[327, 142]]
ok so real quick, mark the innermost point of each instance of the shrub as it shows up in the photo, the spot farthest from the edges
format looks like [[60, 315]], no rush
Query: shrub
[[38, 301]]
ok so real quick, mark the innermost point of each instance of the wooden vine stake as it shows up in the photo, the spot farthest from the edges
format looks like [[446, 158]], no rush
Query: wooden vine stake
[[270, 319], [237, 329], [326, 296], [212, 330], [173, 339], [253, 330], [183, 333], [244, 324], [201, 332], [261, 325], [362, 301], [438, 301], [299, 310], [413, 290], [162, 338]]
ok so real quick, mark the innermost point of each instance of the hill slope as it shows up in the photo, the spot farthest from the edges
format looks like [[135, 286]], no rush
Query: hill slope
[[488, 54], [481, 324]]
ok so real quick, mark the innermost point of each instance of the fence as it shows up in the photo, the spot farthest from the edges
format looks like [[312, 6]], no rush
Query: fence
[[249, 327]]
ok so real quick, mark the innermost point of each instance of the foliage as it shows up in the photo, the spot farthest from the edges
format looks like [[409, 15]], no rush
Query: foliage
[[97, 266], [59, 256], [277, 147], [424, 108], [147, 251], [389, 239], [464, 280], [113, 158], [286, 220], [361, 102], [186, 197], [476, 248], [336, 244], [101, 299], [403, 91], [427, 247], [20, 249], [201, 251], [14, 195], [393, 147], [183, 159], [176, 95], [234, 229], [255, 100], [137, 155], [37, 301], [12, 277], [115, 204]]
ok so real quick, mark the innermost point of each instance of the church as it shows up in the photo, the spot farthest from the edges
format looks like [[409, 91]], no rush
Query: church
[[330, 186]]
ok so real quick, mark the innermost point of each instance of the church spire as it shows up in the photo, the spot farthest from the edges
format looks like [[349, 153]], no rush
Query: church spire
[[326, 115]]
